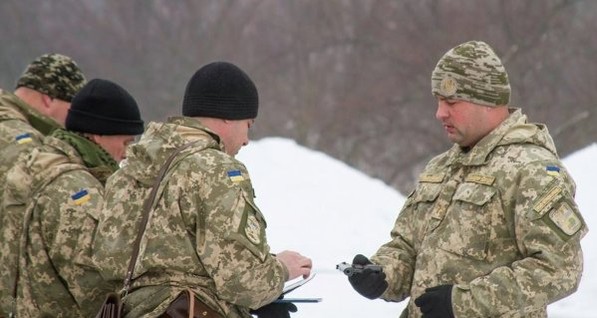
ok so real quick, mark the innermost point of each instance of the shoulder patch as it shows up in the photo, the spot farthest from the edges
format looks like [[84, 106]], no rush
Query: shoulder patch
[[23, 138], [432, 178], [565, 219], [235, 176], [552, 170], [81, 197], [253, 230], [546, 201]]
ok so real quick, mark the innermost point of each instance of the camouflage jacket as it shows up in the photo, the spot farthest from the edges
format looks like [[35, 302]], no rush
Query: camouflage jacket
[[53, 201], [205, 231], [499, 222], [21, 128]]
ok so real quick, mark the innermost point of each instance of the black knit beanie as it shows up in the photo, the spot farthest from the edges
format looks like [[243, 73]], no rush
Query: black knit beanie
[[220, 90], [102, 107]]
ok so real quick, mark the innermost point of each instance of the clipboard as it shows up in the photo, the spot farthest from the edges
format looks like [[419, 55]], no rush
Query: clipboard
[[287, 289]]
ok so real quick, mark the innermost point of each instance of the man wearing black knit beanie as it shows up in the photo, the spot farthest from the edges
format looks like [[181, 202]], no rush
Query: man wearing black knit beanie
[[205, 243], [106, 114], [56, 193]]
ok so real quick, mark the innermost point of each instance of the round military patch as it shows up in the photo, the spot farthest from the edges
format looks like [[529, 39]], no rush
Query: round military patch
[[448, 86], [253, 229]]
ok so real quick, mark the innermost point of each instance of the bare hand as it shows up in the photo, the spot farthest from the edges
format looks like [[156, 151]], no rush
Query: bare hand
[[297, 264]]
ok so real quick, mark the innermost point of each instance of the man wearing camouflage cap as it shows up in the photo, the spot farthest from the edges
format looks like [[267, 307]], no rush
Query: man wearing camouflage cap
[[491, 229], [38, 105], [40, 101], [205, 233]]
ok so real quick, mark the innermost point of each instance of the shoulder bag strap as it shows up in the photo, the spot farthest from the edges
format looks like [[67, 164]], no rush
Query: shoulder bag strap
[[146, 210]]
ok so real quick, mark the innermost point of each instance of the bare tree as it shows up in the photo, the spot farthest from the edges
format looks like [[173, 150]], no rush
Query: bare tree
[[347, 77]]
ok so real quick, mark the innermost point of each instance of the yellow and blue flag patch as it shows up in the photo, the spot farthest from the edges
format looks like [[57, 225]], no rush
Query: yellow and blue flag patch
[[23, 138], [81, 197], [553, 170], [235, 176]]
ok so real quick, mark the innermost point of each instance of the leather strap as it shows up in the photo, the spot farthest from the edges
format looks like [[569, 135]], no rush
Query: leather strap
[[186, 305], [147, 205]]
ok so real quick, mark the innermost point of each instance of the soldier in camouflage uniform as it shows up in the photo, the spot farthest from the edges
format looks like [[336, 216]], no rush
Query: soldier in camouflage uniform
[[38, 106], [56, 190], [492, 229], [205, 232]]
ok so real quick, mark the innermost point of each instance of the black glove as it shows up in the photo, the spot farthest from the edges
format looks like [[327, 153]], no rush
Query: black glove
[[275, 310], [436, 302], [367, 283]]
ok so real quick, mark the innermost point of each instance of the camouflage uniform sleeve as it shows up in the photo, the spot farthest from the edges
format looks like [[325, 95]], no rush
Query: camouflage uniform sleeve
[[548, 228], [69, 211], [15, 141], [397, 256], [18, 134], [231, 241]]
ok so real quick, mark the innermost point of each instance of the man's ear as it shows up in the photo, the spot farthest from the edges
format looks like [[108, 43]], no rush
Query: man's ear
[[93, 137], [46, 100]]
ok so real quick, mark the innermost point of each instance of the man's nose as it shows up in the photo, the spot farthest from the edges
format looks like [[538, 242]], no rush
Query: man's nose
[[442, 110]]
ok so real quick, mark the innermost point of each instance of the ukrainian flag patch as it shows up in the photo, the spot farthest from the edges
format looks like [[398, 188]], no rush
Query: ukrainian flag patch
[[23, 138], [235, 176], [81, 197], [553, 170]]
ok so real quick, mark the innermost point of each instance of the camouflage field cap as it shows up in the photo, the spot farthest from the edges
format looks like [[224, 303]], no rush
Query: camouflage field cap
[[55, 75], [472, 72]]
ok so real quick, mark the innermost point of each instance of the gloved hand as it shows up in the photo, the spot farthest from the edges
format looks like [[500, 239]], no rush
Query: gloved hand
[[275, 310], [436, 302], [367, 283]]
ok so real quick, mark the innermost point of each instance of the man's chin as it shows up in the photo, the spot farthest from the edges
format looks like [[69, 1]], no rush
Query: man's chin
[[454, 138]]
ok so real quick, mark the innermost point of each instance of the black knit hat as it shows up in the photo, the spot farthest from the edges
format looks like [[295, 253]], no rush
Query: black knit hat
[[220, 90], [104, 108]]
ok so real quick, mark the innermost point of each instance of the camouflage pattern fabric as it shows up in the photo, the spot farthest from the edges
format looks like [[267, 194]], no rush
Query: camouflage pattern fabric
[[21, 124], [21, 128], [54, 202], [55, 75], [499, 222], [96, 159], [472, 72], [205, 231]]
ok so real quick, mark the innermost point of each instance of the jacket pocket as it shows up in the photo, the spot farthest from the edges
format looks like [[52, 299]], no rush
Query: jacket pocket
[[466, 227], [423, 202]]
